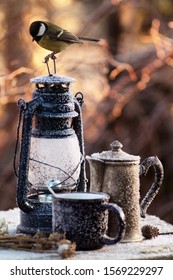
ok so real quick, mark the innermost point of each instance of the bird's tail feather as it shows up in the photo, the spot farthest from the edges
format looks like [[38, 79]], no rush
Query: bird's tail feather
[[89, 39]]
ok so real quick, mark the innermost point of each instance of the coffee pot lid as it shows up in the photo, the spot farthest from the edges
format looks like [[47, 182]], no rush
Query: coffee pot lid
[[116, 154]]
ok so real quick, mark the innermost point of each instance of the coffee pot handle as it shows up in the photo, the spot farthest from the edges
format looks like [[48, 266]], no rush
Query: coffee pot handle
[[121, 224], [159, 173]]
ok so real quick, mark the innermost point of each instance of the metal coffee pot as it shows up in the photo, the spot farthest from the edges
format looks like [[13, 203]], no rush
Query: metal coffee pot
[[118, 174]]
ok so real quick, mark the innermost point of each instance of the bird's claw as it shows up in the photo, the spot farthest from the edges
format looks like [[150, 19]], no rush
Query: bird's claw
[[46, 60]]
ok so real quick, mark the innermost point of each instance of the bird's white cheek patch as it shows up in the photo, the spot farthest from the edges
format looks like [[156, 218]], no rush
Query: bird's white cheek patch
[[42, 29]]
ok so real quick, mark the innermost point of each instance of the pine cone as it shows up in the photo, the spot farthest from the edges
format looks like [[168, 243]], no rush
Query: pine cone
[[150, 232]]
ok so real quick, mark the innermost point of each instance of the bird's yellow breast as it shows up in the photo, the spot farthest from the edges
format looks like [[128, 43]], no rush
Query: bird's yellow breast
[[52, 45]]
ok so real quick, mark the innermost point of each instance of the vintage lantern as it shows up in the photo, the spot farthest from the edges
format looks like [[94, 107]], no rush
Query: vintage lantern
[[52, 150]]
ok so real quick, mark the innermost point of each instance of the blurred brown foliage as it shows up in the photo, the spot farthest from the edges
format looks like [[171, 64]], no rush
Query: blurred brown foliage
[[126, 79]]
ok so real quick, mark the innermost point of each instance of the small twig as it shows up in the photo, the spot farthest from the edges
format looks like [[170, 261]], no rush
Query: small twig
[[17, 238], [40, 243], [103, 9], [142, 83], [120, 67], [17, 72]]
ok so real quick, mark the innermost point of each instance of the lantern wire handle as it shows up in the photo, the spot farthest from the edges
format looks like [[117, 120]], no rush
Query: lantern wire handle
[[17, 143], [80, 98], [22, 105], [68, 175]]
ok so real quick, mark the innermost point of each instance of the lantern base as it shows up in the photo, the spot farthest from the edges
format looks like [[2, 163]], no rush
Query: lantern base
[[39, 219]]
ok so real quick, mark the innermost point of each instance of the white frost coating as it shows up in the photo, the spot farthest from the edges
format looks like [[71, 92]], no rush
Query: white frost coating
[[63, 153], [49, 79], [116, 156], [158, 248]]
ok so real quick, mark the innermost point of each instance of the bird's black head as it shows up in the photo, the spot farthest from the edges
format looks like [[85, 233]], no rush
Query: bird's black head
[[37, 30]]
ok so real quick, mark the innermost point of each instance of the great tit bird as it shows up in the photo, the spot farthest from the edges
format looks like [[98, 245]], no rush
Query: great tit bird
[[53, 37]]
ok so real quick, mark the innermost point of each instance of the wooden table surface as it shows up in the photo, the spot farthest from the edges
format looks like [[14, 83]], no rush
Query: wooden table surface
[[159, 248]]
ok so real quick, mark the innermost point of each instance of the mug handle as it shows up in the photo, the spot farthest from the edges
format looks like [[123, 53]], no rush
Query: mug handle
[[121, 224], [159, 173]]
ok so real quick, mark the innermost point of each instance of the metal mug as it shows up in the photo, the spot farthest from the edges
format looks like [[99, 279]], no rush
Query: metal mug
[[83, 218]]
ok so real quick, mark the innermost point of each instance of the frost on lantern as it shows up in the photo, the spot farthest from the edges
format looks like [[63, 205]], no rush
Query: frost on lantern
[[52, 146], [45, 165]]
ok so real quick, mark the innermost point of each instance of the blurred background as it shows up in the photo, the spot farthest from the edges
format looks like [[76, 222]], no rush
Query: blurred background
[[126, 79]]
